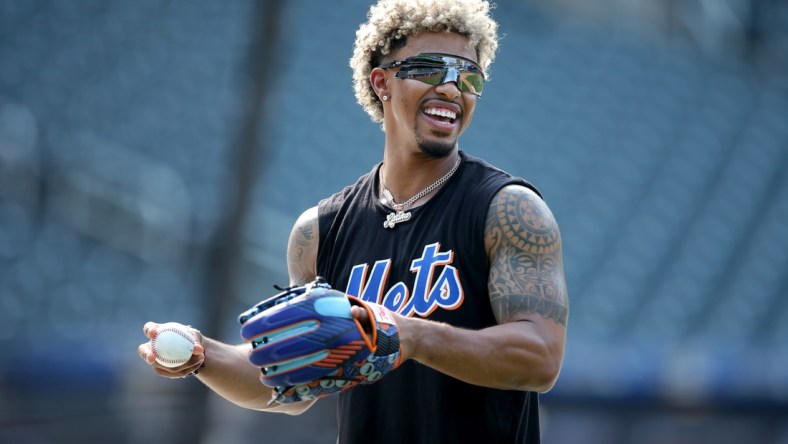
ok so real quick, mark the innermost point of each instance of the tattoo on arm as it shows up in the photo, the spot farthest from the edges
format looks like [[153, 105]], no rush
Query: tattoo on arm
[[302, 251], [526, 269]]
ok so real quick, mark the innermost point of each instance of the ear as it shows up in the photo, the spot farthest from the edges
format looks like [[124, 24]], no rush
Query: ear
[[379, 82]]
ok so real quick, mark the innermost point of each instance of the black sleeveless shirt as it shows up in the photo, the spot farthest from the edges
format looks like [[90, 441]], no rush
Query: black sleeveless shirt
[[434, 266]]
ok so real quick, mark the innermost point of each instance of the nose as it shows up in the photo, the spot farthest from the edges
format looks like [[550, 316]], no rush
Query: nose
[[448, 86]]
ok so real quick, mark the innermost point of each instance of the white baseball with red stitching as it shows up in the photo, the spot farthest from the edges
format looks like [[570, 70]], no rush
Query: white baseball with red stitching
[[173, 344]]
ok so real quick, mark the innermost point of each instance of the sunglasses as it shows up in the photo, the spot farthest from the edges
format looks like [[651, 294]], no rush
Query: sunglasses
[[436, 69]]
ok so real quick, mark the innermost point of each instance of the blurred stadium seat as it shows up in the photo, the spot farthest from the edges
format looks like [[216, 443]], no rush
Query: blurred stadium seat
[[665, 166]]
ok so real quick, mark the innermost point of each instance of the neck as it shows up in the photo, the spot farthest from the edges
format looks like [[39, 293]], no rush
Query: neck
[[405, 175]]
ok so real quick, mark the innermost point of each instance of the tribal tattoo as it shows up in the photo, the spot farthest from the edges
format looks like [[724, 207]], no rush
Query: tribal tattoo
[[524, 246]]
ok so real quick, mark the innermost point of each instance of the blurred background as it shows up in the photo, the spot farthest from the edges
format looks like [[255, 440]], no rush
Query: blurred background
[[154, 155]]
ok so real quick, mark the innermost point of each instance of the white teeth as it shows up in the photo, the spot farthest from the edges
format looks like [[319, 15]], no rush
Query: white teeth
[[441, 112]]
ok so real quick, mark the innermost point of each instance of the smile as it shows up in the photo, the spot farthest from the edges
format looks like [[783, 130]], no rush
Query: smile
[[441, 114]]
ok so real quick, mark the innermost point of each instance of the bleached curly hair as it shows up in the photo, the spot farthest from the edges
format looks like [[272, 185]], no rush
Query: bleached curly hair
[[390, 22]]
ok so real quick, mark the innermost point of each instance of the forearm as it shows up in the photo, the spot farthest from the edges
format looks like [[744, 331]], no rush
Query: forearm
[[228, 373], [510, 356], [227, 370]]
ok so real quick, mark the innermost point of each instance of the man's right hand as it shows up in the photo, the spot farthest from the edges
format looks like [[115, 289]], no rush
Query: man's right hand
[[196, 362]]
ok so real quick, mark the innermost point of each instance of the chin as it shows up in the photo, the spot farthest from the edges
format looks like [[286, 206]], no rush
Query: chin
[[436, 149]]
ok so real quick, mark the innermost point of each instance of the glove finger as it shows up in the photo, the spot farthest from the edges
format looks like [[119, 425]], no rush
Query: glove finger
[[304, 339], [312, 390], [292, 311]]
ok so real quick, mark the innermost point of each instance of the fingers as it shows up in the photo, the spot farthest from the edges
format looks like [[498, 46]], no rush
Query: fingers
[[145, 352], [198, 339], [194, 364], [150, 329], [362, 316], [359, 313]]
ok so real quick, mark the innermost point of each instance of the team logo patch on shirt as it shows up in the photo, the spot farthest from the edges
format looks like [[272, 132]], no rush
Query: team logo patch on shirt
[[429, 292]]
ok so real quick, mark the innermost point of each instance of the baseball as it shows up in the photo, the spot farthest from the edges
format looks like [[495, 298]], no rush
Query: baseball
[[173, 344]]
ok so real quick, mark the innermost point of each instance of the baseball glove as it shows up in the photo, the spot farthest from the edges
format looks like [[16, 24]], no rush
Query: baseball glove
[[308, 345]]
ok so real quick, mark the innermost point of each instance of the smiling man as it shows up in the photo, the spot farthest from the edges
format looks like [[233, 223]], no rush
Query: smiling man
[[460, 261]]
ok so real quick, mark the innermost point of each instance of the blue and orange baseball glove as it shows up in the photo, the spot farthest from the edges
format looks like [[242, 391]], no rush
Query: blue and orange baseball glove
[[308, 345]]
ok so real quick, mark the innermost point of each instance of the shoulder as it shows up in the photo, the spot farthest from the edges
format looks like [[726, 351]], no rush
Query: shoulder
[[351, 196], [307, 219], [526, 269], [517, 216], [350, 191], [488, 179], [302, 248]]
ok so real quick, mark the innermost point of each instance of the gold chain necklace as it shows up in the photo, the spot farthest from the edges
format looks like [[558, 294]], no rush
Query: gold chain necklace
[[400, 215]]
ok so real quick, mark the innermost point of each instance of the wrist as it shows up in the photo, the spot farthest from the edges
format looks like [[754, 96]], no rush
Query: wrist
[[409, 337], [199, 342]]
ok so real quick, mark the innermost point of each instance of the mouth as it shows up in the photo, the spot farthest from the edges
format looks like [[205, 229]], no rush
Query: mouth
[[441, 116]]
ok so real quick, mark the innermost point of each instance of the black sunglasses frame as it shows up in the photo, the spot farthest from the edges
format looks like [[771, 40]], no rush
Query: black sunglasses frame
[[441, 63]]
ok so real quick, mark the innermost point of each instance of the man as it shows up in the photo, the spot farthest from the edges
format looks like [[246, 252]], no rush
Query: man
[[466, 256]]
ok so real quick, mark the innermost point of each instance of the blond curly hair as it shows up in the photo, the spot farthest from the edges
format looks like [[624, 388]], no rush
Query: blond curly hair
[[390, 22]]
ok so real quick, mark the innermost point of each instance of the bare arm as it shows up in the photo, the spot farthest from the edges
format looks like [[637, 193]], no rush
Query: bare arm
[[529, 299], [227, 370], [302, 248]]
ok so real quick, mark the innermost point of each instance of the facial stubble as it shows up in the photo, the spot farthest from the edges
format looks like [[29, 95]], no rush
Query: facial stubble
[[435, 149]]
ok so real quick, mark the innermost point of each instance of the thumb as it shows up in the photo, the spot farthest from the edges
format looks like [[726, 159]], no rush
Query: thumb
[[359, 313], [362, 316]]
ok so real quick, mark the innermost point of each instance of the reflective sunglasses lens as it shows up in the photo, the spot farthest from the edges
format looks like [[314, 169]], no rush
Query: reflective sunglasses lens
[[471, 82], [431, 75], [435, 70]]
